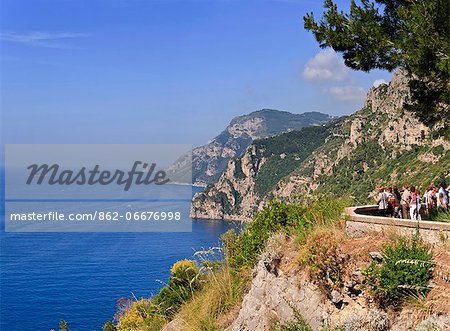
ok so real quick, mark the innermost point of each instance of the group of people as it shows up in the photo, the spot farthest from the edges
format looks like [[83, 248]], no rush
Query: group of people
[[409, 203]]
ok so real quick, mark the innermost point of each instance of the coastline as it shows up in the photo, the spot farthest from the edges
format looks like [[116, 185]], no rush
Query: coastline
[[189, 184], [227, 218]]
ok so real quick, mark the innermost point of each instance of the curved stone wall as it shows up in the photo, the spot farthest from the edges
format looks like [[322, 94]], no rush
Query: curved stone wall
[[361, 220]]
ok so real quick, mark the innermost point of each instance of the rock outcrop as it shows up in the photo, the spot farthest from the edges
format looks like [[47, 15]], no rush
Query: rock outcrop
[[223, 199], [281, 287]]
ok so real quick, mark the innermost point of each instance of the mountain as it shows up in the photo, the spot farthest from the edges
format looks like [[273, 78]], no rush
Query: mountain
[[381, 144], [210, 160]]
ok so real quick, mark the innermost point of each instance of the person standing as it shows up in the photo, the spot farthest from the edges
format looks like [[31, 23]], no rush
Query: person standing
[[397, 194], [432, 202], [443, 196], [404, 201], [434, 196], [415, 204], [392, 208], [382, 202], [418, 202], [427, 199]]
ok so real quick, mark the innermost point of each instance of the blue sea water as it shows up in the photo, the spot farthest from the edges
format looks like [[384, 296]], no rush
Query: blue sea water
[[78, 277]]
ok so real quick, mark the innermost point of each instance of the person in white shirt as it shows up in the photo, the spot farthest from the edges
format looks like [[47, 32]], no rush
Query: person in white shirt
[[382, 201], [443, 196], [415, 205]]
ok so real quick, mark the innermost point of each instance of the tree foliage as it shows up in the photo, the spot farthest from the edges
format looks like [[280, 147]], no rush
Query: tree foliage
[[388, 34]]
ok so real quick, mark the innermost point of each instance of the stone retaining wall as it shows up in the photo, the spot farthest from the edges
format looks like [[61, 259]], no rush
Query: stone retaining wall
[[362, 221]]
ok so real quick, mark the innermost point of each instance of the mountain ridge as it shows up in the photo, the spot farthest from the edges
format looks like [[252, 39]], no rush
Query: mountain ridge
[[210, 160]]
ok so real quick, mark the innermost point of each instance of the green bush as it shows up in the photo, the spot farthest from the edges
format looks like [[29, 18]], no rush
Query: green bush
[[137, 315], [184, 280], [295, 219], [442, 216], [405, 271], [229, 240], [251, 242]]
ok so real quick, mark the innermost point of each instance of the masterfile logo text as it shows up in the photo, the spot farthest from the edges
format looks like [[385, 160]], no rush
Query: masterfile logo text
[[96, 188]]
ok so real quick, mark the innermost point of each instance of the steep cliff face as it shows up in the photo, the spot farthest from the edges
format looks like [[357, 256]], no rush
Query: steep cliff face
[[210, 160], [238, 192], [233, 196], [382, 143]]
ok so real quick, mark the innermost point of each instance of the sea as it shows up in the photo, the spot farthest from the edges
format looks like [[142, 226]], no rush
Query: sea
[[79, 277]]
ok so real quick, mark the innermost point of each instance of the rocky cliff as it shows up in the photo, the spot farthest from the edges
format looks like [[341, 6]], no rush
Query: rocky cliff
[[281, 287], [382, 143], [210, 160], [238, 192]]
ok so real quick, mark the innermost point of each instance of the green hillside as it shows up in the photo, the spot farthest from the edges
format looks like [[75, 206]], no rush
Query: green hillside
[[285, 153]]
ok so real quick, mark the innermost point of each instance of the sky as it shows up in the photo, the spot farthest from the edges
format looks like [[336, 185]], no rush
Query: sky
[[162, 71]]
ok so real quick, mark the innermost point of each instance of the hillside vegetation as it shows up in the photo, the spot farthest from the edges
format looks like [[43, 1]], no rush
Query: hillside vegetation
[[382, 144], [199, 298], [289, 249]]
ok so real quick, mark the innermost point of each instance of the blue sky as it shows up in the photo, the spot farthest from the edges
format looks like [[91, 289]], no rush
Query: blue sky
[[161, 71]]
